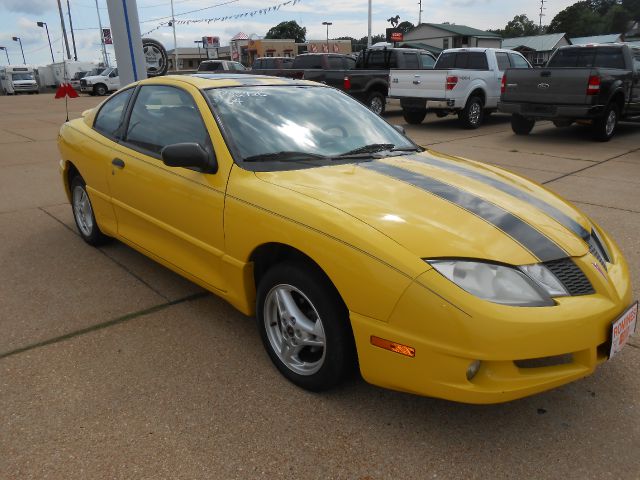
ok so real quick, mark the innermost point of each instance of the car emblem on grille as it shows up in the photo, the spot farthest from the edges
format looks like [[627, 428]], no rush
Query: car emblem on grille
[[543, 85], [597, 267]]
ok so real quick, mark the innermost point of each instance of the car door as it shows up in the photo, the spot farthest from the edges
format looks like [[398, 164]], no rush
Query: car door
[[174, 213]]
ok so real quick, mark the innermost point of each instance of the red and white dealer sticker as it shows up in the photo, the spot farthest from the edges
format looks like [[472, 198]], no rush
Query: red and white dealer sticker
[[623, 328]]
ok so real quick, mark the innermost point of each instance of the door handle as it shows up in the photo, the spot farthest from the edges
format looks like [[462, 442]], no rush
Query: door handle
[[117, 162], [416, 82]]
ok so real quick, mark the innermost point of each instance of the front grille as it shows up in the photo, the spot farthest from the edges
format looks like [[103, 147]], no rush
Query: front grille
[[545, 361], [83, 83], [571, 277]]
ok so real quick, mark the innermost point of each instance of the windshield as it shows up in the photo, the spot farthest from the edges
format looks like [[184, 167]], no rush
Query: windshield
[[22, 76], [311, 121], [79, 75]]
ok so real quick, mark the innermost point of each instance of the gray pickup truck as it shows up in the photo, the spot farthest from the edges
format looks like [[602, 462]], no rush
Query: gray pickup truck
[[369, 80], [598, 84]]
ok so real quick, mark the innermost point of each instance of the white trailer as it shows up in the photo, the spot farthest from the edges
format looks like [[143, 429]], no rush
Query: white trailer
[[17, 79], [65, 71], [45, 76]]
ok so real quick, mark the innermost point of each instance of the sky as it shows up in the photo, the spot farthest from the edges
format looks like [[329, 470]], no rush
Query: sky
[[349, 17]]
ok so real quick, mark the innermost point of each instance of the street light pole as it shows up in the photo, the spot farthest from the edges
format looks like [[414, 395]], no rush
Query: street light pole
[[73, 37], [44, 24], [327, 24], [198, 42], [7, 52], [104, 48], [17, 39], [175, 42]]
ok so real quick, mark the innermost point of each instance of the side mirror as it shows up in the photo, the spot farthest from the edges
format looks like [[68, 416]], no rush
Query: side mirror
[[400, 128], [189, 155]]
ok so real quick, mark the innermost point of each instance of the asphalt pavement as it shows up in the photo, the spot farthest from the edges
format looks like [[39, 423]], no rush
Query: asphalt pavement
[[111, 366]]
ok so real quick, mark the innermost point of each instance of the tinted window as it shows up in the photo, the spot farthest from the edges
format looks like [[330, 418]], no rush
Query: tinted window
[[109, 118], [636, 60], [477, 61], [427, 60], [269, 63], [256, 65], [609, 58], [376, 59], [445, 61], [410, 60], [237, 66], [163, 116], [518, 61], [287, 62], [575, 57], [503, 61], [335, 63], [349, 63], [211, 66], [461, 60], [308, 61]]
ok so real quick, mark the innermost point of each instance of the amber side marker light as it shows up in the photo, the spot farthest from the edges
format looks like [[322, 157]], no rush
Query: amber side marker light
[[393, 346]]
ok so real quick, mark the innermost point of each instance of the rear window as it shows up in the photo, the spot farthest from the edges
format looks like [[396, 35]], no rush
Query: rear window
[[603, 57], [335, 63], [210, 67], [410, 60], [463, 61], [308, 61], [427, 60], [503, 61], [445, 61]]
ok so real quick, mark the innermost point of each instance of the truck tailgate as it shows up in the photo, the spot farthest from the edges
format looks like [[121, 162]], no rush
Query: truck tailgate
[[558, 86], [418, 83]]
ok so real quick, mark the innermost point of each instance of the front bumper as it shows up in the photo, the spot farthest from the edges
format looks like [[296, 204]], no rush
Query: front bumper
[[510, 342], [552, 111]]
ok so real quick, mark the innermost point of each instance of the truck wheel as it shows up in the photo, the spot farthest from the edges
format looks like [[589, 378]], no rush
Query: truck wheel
[[376, 102], [471, 115], [414, 117], [522, 125], [604, 128], [100, 90]]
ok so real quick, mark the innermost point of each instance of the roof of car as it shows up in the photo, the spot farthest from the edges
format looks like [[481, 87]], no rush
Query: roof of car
[[209, 80]]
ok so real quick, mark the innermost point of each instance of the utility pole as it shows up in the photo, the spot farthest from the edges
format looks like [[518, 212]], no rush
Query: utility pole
[[44, 24], [419, 12], [104, 49], [542, 7], [73, 37], [369, 28], [64, 31], [175, 42]]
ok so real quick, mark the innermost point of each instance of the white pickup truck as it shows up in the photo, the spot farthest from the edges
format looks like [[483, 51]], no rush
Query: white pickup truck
[[107, 81], [465, 81]]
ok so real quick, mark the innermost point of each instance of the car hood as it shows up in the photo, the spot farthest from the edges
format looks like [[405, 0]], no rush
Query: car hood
[[94, 78], [438, 206]]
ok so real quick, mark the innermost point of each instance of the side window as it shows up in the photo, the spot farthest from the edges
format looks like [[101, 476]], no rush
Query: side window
[[503, 61], [114, 73], [410, 60], [109, 118], [609, 58], [257, 64], [427, 61], [636, 61], [518, 62], [376, 59], [162, 116]]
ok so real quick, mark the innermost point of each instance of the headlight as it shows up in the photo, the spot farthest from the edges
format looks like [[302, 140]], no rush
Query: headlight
[[501, 284]]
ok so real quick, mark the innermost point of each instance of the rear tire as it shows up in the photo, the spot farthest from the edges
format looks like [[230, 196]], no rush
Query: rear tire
[[522, 125], [414, 117], [376, 102], [83, 213], [304, 326], [471, 115], [604, 128]]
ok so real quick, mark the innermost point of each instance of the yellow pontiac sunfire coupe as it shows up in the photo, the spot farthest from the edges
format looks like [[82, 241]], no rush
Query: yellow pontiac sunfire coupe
[[353, 246]]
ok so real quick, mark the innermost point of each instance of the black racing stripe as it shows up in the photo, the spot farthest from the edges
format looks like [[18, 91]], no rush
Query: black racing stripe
[[530, 238], [562, 218]]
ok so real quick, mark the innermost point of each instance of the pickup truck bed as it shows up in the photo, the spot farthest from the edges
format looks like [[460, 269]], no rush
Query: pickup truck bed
[[595, 83]]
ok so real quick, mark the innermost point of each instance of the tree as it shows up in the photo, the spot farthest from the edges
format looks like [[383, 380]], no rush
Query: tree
[[289, 29], [406, 27], [579, 20], [520, 26]]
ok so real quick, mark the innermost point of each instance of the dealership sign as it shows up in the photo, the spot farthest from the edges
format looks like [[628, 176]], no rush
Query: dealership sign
[[394, 35]]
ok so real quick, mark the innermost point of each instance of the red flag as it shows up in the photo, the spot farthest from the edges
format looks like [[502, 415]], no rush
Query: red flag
[[61, 92], [71, 91]]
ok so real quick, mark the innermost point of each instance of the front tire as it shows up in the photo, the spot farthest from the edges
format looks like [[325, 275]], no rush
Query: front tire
[[522, 125], [604, 128], [304, 326], [414, 117], [100, 90], [471, 115], [83, 213], [376, 102]]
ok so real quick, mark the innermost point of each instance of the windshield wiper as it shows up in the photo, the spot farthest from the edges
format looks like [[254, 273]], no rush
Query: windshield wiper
[[371, 148], [284, 156]]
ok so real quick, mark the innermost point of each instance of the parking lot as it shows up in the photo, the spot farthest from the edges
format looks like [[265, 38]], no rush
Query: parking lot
[[112, 366]]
